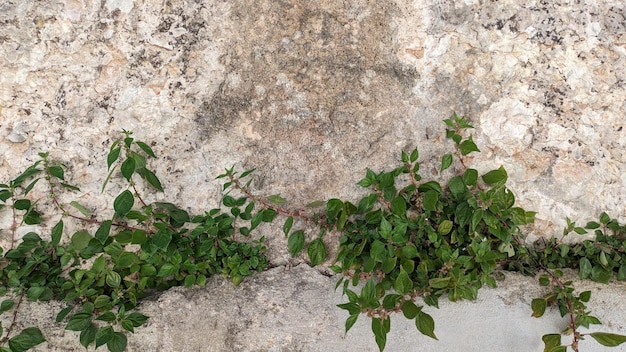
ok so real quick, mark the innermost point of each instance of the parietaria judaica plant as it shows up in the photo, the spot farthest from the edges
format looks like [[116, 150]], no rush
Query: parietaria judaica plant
[[404, 246]]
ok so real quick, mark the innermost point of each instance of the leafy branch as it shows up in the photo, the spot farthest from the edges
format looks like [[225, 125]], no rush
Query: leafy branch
[[402, 247]]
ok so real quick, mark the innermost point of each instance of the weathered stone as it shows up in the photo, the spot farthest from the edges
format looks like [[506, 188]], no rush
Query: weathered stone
[[311, 93], [294, 310]]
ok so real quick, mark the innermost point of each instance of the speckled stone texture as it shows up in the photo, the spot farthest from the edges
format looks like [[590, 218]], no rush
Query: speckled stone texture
[[313, 92]]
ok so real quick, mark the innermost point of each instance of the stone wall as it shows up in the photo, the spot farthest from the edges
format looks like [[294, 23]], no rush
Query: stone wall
[[313, 92]]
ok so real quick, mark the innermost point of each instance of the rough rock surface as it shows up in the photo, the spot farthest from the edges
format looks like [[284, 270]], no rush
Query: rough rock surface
[[294, 311], [313, 92]]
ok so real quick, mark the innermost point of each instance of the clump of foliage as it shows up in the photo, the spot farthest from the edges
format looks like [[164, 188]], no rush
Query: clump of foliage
[[411, 241], [405, 245], [103, 270]]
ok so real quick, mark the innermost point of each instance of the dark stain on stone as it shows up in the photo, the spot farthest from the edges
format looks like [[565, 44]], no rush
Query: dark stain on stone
[[309, 61]]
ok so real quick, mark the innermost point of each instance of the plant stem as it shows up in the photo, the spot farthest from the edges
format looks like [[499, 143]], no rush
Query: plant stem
[[14, 320], [570, 310]]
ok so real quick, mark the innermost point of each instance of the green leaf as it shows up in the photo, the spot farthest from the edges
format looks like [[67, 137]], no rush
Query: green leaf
[[62, 314], [404, 157], [102, 234], [57, 172], [126, 259], [468, 146], [228, 201], [538, 305], [470, 177], [106, 180], [439, 282], [268, 215], [457, 186], [580, 230], [495, 176], [414, 155], [477, 217], [5, 194], [592, 225], [398, 206], [380, 333], [585, 268], [101, 301], [6, 305], [429, 200], [352, 307], [277, 199], [445, 227], [384, 229], [605, 218], [30, 171], [410, 251], [152, 179], [621, 273], [446, 161], [410, 310], [333, 207], [201, 280], [106, 316], [112, 157], [425, 324], [79, 322], [88, 335], [551, 341], [603, 259], [33, 293], [113, 279], [128, 168], [26, 339], [287, 225], [403, 283], [32, 218], [103, 336], [166, 270], [246, 173], [22, 204], [378, 251], [585, 296], [80, 208], [350, 321], [162, 239], [317, 251], [255, 221], [296, 242], [80, 239], [389, 264], [315, 204], [57, 232], [127, 325], [430, 186], [117, 343], [137, 319], [146, 148], [599, 274], [607, 339], [123, 203], [365, 182]]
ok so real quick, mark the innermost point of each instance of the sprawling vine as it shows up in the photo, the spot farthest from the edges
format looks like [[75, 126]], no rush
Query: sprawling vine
[[403, 247]]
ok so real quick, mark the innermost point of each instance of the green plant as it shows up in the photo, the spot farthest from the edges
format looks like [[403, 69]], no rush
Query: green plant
[[411, 241], [405, 245], [103, 270]]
